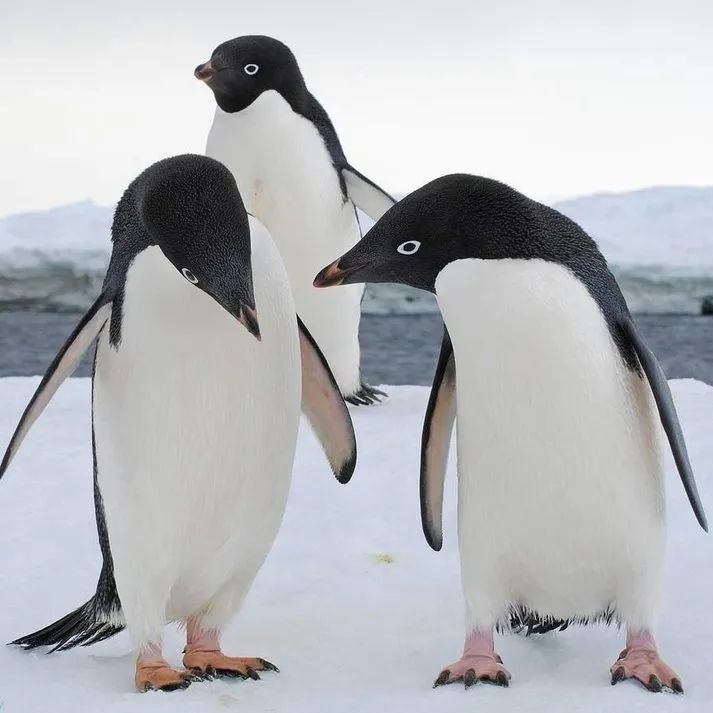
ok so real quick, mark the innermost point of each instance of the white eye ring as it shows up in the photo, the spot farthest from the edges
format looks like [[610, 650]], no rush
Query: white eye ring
[[189, 276], [409, 247], [250, 69]]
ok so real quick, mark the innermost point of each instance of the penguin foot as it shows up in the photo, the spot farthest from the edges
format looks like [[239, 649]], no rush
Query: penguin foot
[[478, 663], [366, 396], [643, 664], [473, 668], [159, 676], [215, 664]]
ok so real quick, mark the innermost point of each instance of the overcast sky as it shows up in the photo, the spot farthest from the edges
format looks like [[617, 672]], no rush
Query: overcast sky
[[557, 98]]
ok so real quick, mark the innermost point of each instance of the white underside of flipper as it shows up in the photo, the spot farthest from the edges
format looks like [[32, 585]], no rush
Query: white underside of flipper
[[195, 424], [287, 180], [62, 367], [561, 502]]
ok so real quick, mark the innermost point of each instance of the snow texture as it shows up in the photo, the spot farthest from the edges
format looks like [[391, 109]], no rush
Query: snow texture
[[659, 242], [352, 605]]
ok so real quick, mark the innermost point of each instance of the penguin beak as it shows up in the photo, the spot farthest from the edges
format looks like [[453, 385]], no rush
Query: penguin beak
[[247, 316], [335, 275], [204, 72]]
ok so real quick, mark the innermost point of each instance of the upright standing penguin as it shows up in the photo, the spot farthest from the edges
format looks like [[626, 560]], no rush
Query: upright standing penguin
[[559, 405], [195, 418], [293, 176]]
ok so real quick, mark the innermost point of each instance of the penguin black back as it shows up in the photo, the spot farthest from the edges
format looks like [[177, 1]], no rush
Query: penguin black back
[[460, 217]]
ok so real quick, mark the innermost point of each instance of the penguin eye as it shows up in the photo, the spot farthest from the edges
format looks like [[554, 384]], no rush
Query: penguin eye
[[250, 69], [409, 247], [189, 276]]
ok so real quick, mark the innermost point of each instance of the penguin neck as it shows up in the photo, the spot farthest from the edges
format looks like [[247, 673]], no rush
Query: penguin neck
[[299, 98], [271, 107]]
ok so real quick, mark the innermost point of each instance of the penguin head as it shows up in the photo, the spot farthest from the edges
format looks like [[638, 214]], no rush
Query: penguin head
[[240, 70], [451, 218], [193, 211]]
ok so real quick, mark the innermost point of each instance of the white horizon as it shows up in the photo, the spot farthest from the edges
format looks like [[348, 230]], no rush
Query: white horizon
[[558, 100], [547, 200]]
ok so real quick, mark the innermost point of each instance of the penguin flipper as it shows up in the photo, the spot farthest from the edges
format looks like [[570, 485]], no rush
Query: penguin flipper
[[62, 366], [325, 409], [365, 194], [435, 443], [667, 413]]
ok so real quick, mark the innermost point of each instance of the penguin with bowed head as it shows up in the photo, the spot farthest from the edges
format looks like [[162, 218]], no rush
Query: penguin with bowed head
[[283, 150], [559, 404], [200, 366]]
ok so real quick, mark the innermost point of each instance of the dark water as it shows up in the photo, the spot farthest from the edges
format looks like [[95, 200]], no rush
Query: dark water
[[399, 349], [404, 349]]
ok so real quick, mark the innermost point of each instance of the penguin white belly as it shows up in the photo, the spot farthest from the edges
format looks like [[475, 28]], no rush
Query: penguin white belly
[[195, 424], [561, 503], [288, 181]]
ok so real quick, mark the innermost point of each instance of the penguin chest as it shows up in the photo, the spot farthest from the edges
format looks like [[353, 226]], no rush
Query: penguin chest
[[558, 457], [196, 421], [287, 180]]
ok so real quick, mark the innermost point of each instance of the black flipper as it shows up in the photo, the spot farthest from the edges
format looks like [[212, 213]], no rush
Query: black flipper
[[435, 443], [100, 617], [325, 409], [62, 366], [667, 413], [365, 194]]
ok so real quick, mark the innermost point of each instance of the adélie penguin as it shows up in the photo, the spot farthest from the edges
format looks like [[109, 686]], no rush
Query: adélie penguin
[[283, 150], [559, 404], [195, 418]]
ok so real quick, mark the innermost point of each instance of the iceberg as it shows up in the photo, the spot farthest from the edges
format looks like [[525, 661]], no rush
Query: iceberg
[[659, 243]]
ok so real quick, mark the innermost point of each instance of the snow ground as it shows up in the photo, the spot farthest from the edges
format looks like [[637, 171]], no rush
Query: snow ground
[[352, 605]]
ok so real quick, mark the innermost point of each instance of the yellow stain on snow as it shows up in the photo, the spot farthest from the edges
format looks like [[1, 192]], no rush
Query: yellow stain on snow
[[383, 558]]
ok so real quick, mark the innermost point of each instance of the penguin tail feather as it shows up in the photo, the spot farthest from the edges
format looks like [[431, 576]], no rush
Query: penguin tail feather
[[84, 626]]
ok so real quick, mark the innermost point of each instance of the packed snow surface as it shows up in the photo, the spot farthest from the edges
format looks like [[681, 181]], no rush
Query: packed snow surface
[[356, 610], [659, 242]]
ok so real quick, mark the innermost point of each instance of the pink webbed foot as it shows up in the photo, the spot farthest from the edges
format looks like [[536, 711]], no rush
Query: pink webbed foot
[[153, 672], [203, 657], [159, 676], [478, 663], [640, 661]]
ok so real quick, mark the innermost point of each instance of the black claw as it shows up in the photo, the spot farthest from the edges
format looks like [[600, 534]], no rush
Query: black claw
[[501, 679], [676, 686], [176, 686], [196, 674], [357, 400], [366, 396], [442, 679], [470, 679], [655, 684], [229, 673], [253, 674], [618, 675], [268, 666]]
